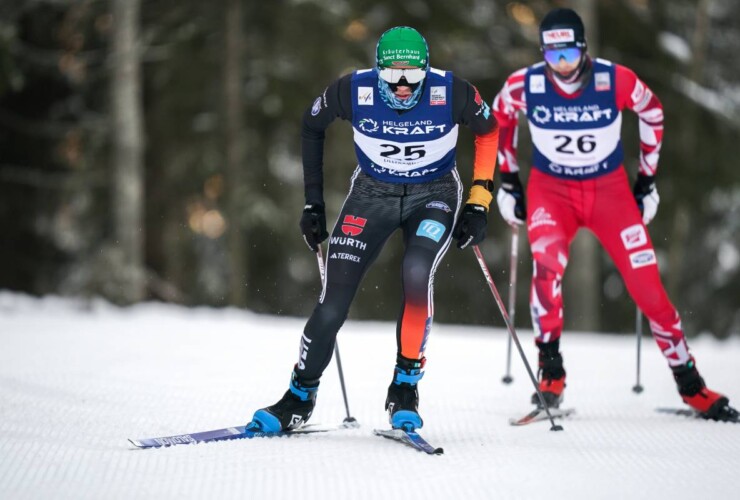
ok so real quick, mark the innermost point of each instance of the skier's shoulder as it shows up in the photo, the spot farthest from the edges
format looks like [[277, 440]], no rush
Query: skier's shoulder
[[360, 76], [334, 101], [442, 73], [518, 76], [516, 80], [620, 70]]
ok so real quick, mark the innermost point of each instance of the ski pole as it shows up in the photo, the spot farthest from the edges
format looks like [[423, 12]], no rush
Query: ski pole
[[322, 273], [512, 333], [637, 388], [512, 298]]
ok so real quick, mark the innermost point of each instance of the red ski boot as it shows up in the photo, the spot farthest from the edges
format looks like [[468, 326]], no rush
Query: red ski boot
[[694, 392], [551, 375]]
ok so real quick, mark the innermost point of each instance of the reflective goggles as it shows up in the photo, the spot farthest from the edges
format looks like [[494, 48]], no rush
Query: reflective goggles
[[570, 55], [394, 75]]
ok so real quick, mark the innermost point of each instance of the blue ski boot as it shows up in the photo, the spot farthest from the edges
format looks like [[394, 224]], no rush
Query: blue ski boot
[[292, 411], [403, 397]]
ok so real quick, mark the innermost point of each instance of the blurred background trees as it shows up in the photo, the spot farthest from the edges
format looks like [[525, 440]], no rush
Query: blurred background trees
[[150, 149]]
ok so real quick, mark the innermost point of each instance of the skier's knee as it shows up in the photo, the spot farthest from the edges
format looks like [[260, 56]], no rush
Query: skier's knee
[[416, 276], [548, 269]]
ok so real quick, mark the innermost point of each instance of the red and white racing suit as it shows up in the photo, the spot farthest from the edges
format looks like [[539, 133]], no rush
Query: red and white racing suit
[[578, 180]]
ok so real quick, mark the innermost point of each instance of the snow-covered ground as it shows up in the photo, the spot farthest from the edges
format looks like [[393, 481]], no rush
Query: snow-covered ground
[[75, 383]]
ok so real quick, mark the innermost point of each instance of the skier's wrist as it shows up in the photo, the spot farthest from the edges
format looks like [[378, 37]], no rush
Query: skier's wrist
[[510, 182], [479, 195], [644, 184]]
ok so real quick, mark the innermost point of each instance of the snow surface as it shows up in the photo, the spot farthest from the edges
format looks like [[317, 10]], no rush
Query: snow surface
[[76, 382]]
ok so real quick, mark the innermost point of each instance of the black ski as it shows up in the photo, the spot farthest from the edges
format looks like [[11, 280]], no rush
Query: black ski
[[410, 438], [726, 414], [539, 414]]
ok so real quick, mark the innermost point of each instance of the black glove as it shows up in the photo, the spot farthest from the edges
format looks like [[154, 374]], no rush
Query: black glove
[[471, 226], [313, 225], [510, 199], [646, 196]]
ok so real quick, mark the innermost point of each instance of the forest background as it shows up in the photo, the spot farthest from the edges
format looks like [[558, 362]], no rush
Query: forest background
[[150, 150]]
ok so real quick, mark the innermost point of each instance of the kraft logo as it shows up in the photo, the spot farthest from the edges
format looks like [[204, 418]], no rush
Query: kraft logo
[[368, 125], [431, 229], [633, 236], [352, 226], [541, 114]]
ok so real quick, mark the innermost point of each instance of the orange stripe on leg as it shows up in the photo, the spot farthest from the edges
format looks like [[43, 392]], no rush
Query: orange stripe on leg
[[413, 331]]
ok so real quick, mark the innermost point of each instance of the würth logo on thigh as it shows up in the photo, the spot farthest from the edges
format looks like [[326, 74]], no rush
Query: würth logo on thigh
[[352, 226]]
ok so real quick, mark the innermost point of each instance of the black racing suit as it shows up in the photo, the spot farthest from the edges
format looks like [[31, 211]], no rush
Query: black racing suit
[[372, 211]]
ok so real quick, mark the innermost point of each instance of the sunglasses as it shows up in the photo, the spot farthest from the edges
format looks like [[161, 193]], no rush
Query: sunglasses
[[570, 55], [394, 75]]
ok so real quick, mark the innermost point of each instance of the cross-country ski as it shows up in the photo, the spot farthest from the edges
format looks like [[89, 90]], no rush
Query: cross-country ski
[[539, 414], [238, 432]]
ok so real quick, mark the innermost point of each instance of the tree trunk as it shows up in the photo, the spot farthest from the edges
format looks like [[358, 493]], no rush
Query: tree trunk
[[234, 138], [128, 149], [682, 217]]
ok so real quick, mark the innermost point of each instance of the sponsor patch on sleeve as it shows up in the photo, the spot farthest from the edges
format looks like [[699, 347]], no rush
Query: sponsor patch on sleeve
[[365, 96], [316, 108], [602, 81], [438, 96], [537, 84]]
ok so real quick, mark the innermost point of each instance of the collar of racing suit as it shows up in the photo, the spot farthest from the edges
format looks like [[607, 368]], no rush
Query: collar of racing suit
[[575, 81]]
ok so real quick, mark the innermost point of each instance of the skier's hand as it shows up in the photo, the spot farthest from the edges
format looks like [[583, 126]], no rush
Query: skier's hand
[[313, 225], [510, 199], [471, 226], [646, 196]]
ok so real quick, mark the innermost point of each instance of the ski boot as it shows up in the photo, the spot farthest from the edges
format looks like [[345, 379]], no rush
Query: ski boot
[[551, 375], [293, 410], [694, 392], [402, 402]]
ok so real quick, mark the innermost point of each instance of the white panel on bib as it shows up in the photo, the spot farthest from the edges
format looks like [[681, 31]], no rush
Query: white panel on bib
[[409, 155], [577, 148]]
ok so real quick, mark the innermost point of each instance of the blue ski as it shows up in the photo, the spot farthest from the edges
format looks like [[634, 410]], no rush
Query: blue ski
[[239, 432], [410, 438]]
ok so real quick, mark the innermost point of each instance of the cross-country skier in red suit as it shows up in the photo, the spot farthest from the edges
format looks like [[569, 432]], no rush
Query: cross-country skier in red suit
[[405, 117], [574, 105]]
